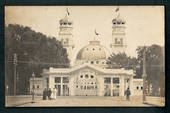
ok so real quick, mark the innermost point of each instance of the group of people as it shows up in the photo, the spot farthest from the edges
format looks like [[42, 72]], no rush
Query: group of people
[[47, 94]]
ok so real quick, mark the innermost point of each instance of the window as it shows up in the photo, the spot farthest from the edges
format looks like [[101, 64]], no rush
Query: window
[[123, 23], [115, 40], [115, 80], [87, 49], [99, 49], [69, 23], [97, 62], [107, 80], [67, 40], [92, 62], [65, 80], [137, 87], [86, 76], [121, 41], [93, 49], [65, 23], [84, 87], [81, 76], [118, 22], [92, 76], [114, 22], [102, 62], [141, 88], [57, 79], [77, 86], [38, 86]]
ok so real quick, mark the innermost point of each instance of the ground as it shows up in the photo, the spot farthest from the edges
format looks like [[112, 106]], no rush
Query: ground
[[80, 101]]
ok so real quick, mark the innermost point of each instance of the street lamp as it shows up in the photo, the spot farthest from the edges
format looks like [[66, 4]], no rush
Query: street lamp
[[144, 75], [7, 87], [33, 76]]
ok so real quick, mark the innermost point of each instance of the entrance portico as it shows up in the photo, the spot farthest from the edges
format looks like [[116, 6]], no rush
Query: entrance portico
[[88, 80]]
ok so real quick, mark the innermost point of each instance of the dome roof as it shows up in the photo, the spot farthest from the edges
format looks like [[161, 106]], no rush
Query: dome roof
[[93, 51], [118, 19], [66, 19]]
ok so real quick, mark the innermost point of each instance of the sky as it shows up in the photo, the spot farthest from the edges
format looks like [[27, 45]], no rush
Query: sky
[[144, 24]]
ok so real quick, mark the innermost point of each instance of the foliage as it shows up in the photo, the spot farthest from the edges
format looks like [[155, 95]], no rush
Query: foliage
[[155, 67], [35, 51], [121, 60]]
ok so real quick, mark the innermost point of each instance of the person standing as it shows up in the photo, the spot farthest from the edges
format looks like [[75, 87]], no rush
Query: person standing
[[49, 92], [54, 93], [44, 94], [127, 93]]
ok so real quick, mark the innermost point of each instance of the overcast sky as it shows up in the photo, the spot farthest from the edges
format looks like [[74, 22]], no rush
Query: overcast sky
[[144, 24]]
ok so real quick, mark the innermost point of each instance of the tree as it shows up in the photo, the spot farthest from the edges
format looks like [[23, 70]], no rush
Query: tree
[[35, 52], [155, 68], [121, 60]]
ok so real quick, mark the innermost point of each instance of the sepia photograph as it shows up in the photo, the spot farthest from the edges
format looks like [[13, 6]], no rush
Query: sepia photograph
[[84, 56]]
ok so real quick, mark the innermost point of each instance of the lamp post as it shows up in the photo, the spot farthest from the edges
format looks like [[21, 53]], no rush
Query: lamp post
[[144, 75], [33, 76], [7, 93], [15, 73]]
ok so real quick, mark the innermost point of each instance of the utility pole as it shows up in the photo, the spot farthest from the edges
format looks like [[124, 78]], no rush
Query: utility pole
[[15, 73], [144, 75]]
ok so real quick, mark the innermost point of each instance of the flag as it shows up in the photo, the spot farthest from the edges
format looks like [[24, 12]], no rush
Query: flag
[[96, 33], [67, 12], [117, 9]]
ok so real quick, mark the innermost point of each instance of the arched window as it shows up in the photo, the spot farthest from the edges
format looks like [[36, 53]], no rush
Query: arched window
[[118, 22], [92, 62], [81, 76], [86, 76], [141, 88], [97, 62], [92, 76], [137, 87]]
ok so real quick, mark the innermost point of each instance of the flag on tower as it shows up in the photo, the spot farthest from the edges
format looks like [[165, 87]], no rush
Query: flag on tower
[[67, 11], [117, 9], [96, 33]]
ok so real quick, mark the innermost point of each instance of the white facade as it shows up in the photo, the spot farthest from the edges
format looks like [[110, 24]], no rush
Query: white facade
[[89, 75]]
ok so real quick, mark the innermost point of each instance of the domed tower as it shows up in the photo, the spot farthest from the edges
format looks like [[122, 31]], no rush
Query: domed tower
[[65, 34], [118, 44]]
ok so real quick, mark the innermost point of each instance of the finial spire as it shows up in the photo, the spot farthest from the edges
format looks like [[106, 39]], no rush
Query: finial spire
[[68, 13], [96, 33]]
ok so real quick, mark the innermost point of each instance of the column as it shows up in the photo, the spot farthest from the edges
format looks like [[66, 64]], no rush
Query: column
[[51, 82], [131, 85], [100, 86], [122, 85], [111, 87], [71, 86], [61, 86]]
